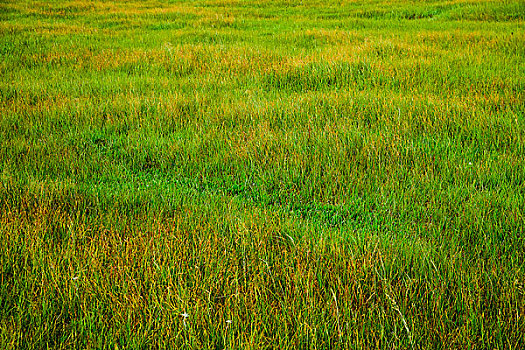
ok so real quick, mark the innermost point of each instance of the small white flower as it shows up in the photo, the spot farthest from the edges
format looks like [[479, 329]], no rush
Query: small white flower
[[229, 321], [74, 278], [185, 316], [469, 163]]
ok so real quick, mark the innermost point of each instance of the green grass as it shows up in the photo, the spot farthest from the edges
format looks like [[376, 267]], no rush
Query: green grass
[[289, 174]]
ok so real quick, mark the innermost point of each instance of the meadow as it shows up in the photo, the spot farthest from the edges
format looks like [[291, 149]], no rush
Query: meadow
[[271, 174]]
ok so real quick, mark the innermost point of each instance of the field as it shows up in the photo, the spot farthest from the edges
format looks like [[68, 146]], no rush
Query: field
[[272, 174]]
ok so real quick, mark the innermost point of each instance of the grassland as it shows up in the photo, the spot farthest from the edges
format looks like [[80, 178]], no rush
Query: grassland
[[262, 174]]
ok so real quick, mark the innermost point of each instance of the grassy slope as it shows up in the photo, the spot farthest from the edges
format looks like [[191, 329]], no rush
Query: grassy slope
[[321, 174]]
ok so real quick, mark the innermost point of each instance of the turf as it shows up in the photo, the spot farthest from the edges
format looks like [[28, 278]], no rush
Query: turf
[[262, 174]]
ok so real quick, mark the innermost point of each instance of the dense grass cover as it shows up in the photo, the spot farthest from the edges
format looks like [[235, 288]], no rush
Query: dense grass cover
[[262, 174]]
